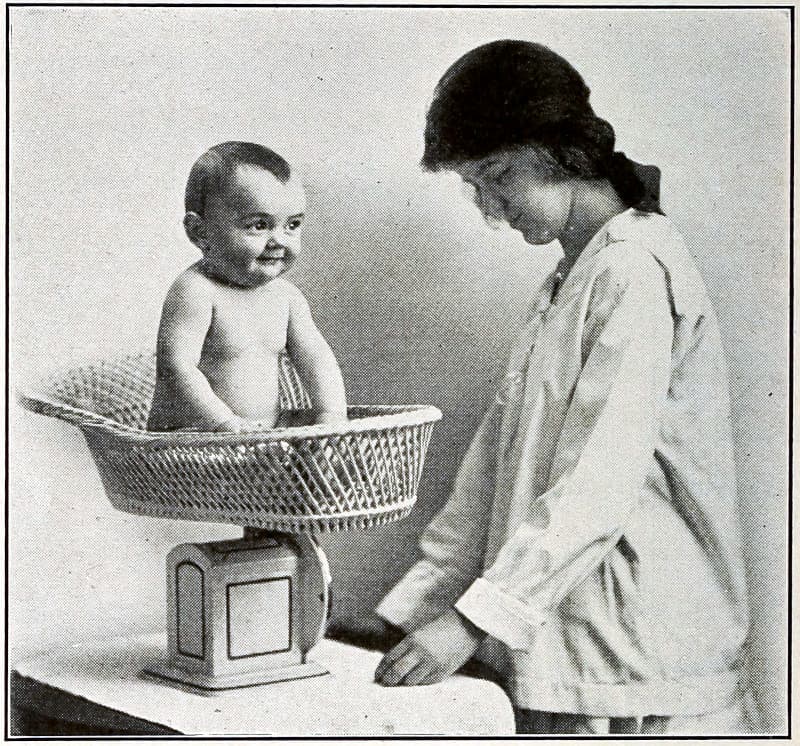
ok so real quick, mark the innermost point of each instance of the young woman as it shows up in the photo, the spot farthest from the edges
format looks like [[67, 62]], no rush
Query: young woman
[[590, 550]]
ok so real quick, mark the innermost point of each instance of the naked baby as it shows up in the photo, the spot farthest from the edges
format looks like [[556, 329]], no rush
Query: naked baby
[[228, 317]]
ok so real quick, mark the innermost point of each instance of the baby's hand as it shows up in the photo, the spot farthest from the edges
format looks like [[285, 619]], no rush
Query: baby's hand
[[238, 425], [233, 425], [331, 418]]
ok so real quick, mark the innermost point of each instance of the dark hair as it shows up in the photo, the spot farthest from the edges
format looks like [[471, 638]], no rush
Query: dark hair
[[508, 94], [212, 170]]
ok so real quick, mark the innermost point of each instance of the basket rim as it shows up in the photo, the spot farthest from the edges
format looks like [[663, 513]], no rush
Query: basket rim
[[387, 416]]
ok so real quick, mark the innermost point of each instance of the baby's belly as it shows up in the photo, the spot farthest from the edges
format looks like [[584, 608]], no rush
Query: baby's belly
[[248, 383]]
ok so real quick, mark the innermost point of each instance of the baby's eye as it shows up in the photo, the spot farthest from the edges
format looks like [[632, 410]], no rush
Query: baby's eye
[[258, 225]]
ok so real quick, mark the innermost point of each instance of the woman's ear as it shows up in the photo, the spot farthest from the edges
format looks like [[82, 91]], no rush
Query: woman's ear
[[195, 228]]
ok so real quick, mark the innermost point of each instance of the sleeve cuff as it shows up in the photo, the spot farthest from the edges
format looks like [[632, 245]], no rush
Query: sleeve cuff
[[500, 614], [424, 594]]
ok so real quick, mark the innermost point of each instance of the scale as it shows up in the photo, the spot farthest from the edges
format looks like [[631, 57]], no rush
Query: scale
[[242, 612]]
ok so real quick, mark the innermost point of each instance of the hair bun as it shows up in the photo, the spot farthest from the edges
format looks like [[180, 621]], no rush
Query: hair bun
[[637, 185], [601, 134]]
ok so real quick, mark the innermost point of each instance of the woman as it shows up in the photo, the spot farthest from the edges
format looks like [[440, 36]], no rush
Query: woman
[[590, 550]]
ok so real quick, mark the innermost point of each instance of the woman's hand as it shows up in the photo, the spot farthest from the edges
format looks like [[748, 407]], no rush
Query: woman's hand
[[431, 653]]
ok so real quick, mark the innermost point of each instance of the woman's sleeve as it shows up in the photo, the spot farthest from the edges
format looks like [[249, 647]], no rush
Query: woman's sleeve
[[601, 457], [453, 544]]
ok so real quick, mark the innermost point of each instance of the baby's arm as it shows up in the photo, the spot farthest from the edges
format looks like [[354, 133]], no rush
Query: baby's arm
[[315, 362], [185, 321]]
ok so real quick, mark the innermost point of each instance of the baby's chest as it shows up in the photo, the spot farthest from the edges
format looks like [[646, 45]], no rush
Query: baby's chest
[[237, 325]]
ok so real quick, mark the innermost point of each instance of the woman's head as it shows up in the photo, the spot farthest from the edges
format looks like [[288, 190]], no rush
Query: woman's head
[[512, 96]]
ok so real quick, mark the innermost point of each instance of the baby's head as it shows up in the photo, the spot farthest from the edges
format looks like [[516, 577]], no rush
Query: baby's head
[[244, 211]]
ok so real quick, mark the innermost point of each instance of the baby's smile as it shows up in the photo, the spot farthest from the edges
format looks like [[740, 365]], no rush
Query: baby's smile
[[272, 256]]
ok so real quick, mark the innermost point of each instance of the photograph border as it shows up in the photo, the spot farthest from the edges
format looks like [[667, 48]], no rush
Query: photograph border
[[790, 8]]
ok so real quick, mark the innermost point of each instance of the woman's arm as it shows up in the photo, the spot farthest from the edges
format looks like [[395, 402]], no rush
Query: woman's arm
[[601, 459], [454, 543], [606, 446]]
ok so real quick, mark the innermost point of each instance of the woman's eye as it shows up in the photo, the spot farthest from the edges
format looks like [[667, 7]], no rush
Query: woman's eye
[[502, 176]]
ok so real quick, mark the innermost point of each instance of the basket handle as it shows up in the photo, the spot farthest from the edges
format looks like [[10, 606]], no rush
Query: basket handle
[[41, 404]]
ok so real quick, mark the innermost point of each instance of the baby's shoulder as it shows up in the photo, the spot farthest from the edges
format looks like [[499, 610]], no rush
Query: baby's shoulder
[[282, 286], [286, 291], [191, 287]]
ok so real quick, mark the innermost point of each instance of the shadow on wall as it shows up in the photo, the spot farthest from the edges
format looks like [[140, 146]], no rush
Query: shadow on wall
[[407, 332]]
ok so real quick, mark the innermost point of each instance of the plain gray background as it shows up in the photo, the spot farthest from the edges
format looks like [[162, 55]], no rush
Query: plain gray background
[[419, 299]]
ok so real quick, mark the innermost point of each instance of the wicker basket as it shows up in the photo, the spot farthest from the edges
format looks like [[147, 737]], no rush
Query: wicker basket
[[357, 474]]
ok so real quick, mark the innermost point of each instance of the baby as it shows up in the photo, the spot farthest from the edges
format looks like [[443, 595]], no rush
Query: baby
[[228, 317]]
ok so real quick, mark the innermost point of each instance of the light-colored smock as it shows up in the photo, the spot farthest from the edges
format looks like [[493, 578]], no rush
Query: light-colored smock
[[593, 528]]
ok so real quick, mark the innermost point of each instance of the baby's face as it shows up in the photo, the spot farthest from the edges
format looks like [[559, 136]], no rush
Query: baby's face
[[252, 228]]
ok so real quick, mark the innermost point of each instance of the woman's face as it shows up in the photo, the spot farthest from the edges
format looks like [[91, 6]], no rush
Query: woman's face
[[520, 188]]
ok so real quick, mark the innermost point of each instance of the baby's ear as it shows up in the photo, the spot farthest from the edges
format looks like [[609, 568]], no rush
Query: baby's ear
[[195, 228]]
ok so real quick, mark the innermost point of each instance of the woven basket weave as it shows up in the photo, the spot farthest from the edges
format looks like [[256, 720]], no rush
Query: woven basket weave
[[357, 474]]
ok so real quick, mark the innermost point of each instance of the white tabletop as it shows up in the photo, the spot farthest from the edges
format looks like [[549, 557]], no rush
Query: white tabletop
[[345, 702]]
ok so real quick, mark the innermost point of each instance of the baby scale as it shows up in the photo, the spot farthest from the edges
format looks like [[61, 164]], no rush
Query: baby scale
[[246, 611]]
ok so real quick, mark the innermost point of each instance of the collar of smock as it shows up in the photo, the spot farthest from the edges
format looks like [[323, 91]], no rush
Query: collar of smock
[[658, 236], [620, 228], [617, 229]]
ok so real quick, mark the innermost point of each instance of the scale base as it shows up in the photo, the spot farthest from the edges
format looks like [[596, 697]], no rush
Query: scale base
[[210, 686]]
